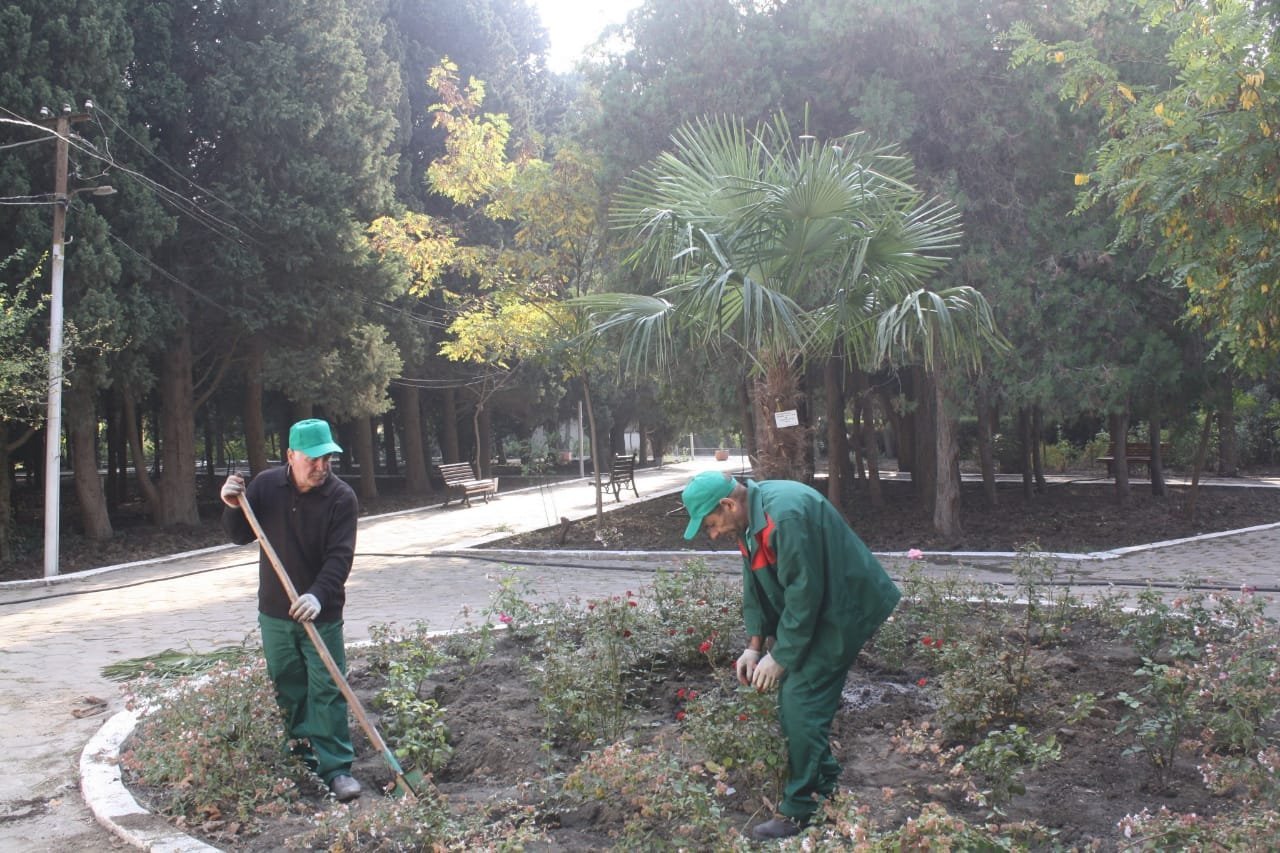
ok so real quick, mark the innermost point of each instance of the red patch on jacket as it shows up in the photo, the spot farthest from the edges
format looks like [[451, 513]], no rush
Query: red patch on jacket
[[764, 555]]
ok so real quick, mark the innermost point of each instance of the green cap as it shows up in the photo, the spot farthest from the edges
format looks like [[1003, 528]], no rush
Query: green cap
[[312, 438], [702, 495]]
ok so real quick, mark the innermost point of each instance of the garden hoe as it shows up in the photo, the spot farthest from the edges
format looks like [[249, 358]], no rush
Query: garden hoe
[[406, 786]]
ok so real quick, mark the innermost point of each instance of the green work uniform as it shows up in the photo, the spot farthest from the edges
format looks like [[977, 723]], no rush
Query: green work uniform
[[811, 584], [314, 535]]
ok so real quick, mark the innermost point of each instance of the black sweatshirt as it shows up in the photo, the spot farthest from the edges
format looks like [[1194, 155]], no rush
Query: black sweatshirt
[[313, 533]]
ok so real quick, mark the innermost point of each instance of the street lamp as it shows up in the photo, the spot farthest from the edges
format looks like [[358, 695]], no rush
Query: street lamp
[[53, 418]]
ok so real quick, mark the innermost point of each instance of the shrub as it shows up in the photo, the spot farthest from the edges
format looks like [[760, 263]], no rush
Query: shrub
[[213, 748]]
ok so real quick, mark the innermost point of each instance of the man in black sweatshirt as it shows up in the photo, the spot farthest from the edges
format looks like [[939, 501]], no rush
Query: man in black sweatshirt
[[309, 517]]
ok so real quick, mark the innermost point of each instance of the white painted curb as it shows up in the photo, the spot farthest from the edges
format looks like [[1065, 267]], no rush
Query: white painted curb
[[112, 804]]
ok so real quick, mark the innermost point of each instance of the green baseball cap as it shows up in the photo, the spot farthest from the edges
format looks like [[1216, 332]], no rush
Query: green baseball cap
[[312, 438], [702, 495]]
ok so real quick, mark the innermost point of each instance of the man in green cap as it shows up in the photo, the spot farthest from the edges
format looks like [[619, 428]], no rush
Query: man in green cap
[[811, 586], [309, 517]]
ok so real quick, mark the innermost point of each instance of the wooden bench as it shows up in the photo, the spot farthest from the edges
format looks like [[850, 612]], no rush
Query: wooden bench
[[461, 480], [1135, 453], [622, 472]]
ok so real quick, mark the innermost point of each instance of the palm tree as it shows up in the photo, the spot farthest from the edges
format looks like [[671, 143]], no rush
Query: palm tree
[[781, 247]]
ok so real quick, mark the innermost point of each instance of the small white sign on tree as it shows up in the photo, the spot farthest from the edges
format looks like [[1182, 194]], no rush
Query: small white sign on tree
[[789, 418]]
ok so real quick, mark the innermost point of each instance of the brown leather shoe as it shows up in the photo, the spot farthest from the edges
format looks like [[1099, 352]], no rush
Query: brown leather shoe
[[345, 788], [778, 827]]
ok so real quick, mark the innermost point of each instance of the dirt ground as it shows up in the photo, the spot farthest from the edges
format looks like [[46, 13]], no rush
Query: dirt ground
[[498, 738], [499, 760], [1078, 517]]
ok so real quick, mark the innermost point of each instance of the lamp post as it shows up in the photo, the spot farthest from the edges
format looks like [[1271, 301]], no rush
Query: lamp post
[[53, 418]]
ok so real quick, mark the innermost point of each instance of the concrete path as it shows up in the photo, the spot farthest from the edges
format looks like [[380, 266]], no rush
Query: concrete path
[[411, 566]]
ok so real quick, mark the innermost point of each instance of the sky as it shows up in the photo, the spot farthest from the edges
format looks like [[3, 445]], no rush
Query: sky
[[574, 24]]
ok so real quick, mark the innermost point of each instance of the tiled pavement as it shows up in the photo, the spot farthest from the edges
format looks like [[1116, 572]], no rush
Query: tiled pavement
[[410, 566]]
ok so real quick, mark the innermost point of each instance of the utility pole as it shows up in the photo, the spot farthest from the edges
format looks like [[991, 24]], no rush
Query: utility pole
[[53, 420]]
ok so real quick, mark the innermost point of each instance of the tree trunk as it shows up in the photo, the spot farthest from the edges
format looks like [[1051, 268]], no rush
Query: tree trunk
[[1025, 440], [595, 468], [6, 493], [946, 504], [82, 436], [390, 463], [117, 453], [746, 411], [255, 428], [870, 444], [1119, 428], [133, 433], [449, 426], [986, 444], [484, 443], [782, 449], [1156, 465], [1037, 447], [1228, 447], [1202, 451], [365, 455], [924, 467], [178, 505], [837, 442], [408, 401]]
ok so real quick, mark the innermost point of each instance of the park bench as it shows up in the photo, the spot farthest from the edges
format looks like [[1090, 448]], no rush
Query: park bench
[[459, 479], [622, 473], [1135, 453]]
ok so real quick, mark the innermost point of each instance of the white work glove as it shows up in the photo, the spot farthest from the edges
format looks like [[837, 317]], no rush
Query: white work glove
[[232, 489], [306, 608], [746, 665], [767, 675]]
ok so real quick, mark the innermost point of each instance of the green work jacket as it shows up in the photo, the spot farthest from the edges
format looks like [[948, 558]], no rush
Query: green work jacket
[[808, 580]]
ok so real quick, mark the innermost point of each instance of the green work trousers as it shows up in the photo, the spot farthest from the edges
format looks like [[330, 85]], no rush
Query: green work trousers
[[313, 706], [807, 703]]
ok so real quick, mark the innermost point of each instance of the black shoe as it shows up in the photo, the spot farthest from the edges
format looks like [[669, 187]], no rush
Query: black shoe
[[778, 827], [345, 788]]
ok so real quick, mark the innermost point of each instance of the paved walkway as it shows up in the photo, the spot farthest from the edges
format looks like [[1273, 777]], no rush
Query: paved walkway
[[411, 566]]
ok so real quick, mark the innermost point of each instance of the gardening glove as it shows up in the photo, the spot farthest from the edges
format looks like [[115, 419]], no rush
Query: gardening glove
[[306, 608], [767, 675], [746, 665], [232, 490]]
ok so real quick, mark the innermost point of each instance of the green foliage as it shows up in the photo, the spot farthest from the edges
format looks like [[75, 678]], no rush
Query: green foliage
[[1257, 828], [584, 671], [701, 613], [1002, 757], [24, 365], [655, 792], [173, 664], [734, 731], [213, 747], [409, 825], [1186, 100], [1160, 715]]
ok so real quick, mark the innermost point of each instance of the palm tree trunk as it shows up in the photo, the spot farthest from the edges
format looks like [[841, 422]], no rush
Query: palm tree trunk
[[782, 448]]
